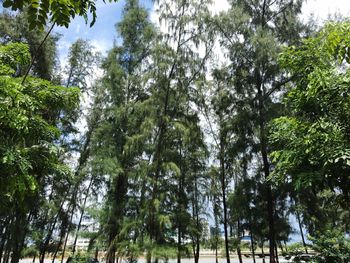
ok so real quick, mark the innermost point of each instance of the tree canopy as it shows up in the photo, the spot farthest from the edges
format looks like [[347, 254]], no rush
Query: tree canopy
[[225, 131]]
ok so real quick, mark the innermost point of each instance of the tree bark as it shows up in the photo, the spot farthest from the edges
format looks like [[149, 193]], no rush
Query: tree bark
[[262, 251], [82, 215], [69, 228], [223, 191], [252, 243], [50, 231], [276, 255], [239, 253], [301, 232], [266, 168]]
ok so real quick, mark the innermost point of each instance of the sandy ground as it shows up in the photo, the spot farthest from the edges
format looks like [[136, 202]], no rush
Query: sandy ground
[[184, 260]]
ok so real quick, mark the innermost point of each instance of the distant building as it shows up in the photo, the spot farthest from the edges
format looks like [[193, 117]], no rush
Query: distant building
[[88, 224]]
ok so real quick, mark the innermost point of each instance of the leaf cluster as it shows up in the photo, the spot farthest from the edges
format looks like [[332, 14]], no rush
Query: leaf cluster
[[59, 12]]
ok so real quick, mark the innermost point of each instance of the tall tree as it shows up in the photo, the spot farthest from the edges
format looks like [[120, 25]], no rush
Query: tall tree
[[253, 33], [29, 150], [119, 129], [310, 142]]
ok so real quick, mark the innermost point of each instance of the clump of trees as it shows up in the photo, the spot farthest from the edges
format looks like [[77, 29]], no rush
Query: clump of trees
[[173, 138]]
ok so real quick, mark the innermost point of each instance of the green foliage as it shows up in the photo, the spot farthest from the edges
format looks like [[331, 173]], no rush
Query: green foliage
[[164, 252], [13, 56], [80, 258], [29, 117], [57, 12], [30, 251], [331, 246], [82, 61], [312, 143], [15, 28], [295, 249]]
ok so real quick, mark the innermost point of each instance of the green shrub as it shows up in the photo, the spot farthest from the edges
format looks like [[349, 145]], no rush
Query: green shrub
[[31, 251], [332, 246]]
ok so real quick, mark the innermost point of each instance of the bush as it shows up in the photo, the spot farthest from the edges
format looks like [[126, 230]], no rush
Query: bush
[[30, 252], [332, 246]]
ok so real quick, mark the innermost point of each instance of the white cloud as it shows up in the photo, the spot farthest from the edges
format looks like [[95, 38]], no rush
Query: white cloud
[[77, 29], [321, 9], [101, 45], [219, 5]]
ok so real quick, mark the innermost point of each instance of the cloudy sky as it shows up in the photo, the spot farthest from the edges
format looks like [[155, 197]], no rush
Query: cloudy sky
[[103, 33]]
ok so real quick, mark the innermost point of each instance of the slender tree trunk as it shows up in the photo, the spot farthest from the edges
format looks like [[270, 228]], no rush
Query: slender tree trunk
[[266, 169], [285, 246], [18, 235], [69, 228], [262, 251], [239, 253], [82, 215], [37, 53], [301, 232], [281, 247], [96, 253], [223, 192], [179, 223], [196, 243], [63, 233], [50, 232], [276, 253], [4, 237], [179, 245], [216, 249], [148, 257], [7, 255], [252, 243], [7, 243]]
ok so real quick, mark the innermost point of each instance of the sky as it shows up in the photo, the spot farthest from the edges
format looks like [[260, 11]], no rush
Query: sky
[[103, 34]]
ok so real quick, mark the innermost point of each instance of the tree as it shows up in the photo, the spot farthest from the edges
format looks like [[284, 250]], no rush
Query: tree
[[253, 33], [15, 28], [82, 61], [311, 143], [30, 123], [118, 140]]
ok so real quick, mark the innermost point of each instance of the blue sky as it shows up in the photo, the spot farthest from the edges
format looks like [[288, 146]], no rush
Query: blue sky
[[102, 34]]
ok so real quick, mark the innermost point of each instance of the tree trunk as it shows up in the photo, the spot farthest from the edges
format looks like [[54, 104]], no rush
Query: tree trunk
[[276, 253], [239, 253], [252, 243], [285, 246], [50, 232], [179, 223], [216, 250], [7, 255], [18, 235], [96, 253], [301, 232], [62, 235], [82, 215], [266, 169], [223, 192], [262, 251], [69, 229], [196, 246], [179, 245], [4, 238]]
